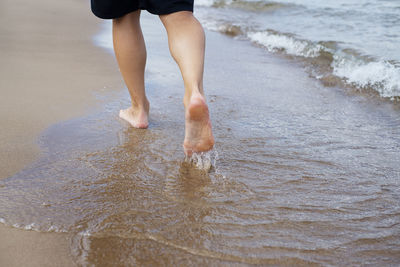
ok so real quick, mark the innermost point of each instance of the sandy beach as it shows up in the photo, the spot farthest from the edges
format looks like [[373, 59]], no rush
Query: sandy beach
[[303, 174], [49, 70]]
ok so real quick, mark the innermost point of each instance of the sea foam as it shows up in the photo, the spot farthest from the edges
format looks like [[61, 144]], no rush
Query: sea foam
[[334, 56], [381, 76], [355, 70], [204, 2], [277, 42]]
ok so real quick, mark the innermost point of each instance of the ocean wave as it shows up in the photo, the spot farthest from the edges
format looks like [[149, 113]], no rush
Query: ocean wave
[[334, 62], [204, 2], [256, 6], [275, 42], [382, 76], [231, 29], [351, 67], [34, 227]]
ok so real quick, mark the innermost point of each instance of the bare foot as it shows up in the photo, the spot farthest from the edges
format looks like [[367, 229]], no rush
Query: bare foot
[[138, 118], [198, 133]]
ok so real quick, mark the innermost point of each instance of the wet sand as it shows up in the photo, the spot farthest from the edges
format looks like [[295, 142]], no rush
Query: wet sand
[[301, 178], [29, 248], [48, 72]]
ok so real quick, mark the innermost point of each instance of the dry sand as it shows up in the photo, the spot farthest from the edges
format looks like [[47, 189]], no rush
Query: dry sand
[[49, 70]]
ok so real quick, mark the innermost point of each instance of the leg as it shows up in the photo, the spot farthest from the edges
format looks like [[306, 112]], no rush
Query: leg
[[130, 52], [187, 44]]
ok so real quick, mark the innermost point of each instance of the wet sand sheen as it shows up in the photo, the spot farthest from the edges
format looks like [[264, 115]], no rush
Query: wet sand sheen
[[301, 177], [49, 69]]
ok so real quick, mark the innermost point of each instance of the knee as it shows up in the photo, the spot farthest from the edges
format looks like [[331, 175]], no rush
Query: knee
[[181, 17]]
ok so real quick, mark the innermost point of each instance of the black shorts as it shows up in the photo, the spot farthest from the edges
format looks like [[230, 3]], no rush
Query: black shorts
[[111, 9]]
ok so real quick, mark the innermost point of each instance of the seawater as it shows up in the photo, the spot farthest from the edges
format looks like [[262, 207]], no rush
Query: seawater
[[203, 160], [355, 41], [305, 175]]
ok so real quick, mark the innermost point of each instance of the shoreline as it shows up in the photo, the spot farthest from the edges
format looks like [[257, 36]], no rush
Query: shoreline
[[269, 128], [51, 71]]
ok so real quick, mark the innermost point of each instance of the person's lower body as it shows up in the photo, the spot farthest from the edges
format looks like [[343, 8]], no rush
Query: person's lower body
[[187, 45]]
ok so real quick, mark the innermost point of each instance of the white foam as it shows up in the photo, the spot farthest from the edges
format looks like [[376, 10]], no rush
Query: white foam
[[210, 25], [217, 27], [382, 76], [33, 227], [30, 226], [275, 42], [204, 2], [54, 228]]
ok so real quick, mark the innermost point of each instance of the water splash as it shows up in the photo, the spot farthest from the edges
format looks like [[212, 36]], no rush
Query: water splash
[[203, 160]]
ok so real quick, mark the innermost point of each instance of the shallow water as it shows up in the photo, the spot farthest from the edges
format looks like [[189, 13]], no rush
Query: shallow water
[[355, 42], [305, 175]]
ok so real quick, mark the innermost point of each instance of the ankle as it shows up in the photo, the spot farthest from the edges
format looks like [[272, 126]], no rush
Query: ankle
[[141, 105], [192, 92]]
